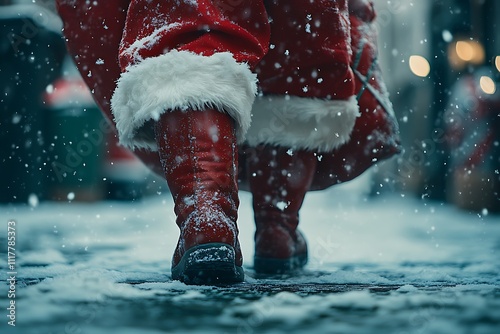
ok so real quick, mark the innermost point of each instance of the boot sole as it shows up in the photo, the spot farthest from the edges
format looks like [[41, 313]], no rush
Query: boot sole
[[208, 264], [273, 266]]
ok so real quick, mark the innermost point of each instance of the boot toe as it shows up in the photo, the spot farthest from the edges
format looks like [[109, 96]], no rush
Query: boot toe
[[208, 264]]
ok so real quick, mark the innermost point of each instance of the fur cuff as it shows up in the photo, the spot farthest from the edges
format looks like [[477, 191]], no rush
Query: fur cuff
[[302, 123], [180, 80]]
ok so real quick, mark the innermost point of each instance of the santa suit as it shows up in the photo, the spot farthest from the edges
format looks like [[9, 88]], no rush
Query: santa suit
[[294, 76], [143, 58]]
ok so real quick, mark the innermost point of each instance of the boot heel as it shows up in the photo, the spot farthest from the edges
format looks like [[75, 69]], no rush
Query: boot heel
[[212, 263]]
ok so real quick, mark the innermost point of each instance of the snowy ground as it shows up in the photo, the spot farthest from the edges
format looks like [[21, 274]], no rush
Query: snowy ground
[[391, 264]]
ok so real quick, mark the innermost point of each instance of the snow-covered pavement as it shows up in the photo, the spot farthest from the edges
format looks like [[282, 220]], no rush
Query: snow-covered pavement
[[391, 264]]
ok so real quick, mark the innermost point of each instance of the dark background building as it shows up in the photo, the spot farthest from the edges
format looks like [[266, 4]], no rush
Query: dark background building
[[448, 40]]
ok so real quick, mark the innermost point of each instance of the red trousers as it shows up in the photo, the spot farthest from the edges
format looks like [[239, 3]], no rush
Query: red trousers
[[141, 58]]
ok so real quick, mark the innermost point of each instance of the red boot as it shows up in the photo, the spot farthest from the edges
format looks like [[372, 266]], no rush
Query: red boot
[[279, 180], [198, 153]]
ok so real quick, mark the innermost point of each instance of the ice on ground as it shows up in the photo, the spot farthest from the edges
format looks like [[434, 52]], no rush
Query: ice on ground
[[384, 264]]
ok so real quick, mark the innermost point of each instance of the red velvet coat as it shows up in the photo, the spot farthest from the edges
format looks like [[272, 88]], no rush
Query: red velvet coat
[[315, 62]]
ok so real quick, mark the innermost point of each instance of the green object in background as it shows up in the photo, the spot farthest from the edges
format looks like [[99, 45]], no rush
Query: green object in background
[[76, 135]]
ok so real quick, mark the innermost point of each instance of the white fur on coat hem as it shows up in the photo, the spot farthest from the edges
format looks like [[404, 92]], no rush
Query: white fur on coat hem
[[180, 80], [302, 123]]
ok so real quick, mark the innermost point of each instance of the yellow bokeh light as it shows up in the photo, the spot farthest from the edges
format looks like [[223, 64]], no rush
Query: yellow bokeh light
[[464, 50], [470, 51], [419, 66], [497, 63], [487, 85]]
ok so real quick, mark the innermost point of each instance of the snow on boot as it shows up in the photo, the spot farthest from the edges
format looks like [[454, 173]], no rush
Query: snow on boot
[[198, 153], [279, 180]]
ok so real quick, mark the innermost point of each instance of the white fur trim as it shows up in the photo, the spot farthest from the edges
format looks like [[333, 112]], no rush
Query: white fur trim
[[302, 123], [180, 80]]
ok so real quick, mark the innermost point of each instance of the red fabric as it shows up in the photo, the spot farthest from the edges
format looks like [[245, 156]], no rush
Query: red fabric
[[314, 33], [102, 36], [375, 135], [93, 34], [205, 28], [310, 52]]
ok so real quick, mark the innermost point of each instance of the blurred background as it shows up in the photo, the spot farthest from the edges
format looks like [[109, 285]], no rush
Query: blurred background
[[441, 63]]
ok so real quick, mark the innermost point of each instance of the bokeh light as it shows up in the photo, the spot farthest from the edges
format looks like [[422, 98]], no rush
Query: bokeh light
[[487, 85], [466, 51], [419, 66]]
